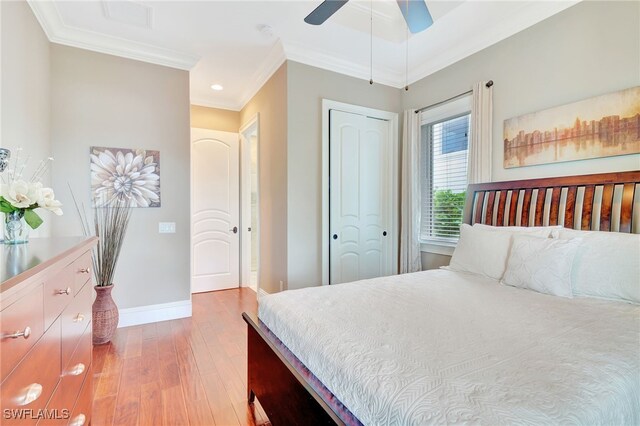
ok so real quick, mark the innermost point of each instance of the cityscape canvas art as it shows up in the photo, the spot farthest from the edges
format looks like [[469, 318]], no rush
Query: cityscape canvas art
[[124, 176], [602, 126]]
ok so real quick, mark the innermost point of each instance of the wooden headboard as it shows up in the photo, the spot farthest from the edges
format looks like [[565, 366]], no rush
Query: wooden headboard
[[598, 202]]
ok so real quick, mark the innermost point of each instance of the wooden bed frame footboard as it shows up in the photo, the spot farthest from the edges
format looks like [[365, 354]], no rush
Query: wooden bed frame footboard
[[284, 394], [598, 202]]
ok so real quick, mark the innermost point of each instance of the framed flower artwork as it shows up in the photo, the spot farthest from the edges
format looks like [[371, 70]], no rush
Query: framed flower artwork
[[122, 176]]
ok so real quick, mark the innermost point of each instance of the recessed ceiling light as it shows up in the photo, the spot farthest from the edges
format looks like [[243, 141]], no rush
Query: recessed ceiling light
[[217, 87]]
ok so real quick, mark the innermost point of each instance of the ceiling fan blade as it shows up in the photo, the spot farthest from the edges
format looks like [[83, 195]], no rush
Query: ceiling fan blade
[[416, 14], [324, 11]]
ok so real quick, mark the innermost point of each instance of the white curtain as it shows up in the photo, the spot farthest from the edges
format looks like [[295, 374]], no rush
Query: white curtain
[[480, 140], [410, 260]]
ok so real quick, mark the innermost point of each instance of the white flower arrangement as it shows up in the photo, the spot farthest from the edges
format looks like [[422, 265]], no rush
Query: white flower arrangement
[[24, 196]]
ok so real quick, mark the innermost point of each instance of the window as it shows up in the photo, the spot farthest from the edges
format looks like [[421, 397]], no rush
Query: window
[[444, 143], [454, 134]]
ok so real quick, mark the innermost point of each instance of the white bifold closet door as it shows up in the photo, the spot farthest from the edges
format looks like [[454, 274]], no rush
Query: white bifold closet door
[[360, 191]]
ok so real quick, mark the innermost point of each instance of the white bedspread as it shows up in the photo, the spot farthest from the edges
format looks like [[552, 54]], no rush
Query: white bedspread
[[441, 347]]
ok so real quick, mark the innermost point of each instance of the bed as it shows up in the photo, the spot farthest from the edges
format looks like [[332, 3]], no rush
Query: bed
[[446, 346]]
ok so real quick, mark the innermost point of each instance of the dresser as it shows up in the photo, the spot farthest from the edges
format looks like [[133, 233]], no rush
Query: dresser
[[46, 293]]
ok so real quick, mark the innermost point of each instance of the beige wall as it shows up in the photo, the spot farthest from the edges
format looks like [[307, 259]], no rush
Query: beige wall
[[434, 260], [587, 50], [103, 100], [25, 115], [271, 104], [215, 119], [307, 86], [590, 49]]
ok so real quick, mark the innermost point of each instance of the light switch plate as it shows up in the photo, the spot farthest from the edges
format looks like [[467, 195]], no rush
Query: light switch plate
[[167, 227]]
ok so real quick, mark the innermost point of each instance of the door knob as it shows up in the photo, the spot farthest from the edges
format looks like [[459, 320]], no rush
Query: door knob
[[24, 333], [234, 229], [335, 236], [249, 229], [384, 233]]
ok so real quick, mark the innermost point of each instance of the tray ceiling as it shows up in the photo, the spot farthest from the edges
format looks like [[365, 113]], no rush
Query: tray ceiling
[[239, 44]]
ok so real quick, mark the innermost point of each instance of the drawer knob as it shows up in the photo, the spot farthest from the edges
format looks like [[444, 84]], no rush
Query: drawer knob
[[24, 333], [76, 370], [65, 291], [78, 420], [29, 394], [78, 318], [84, 270]]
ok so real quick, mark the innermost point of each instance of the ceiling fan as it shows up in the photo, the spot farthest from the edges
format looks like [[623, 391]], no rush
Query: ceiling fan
[[415, 12]]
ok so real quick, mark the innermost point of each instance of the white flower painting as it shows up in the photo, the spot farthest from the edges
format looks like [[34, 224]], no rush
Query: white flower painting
[[129, 176]]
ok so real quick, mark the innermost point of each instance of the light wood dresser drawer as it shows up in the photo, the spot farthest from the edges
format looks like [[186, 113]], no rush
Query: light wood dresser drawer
[[21, 325], [81, 414], [75, 319], [58, 293], [68, 391], [29, 387], [73, 374], [81, 270], [46, 378], [58, 412]]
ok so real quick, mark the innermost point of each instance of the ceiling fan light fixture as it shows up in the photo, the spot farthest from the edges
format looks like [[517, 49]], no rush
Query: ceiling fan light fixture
[[417, 17], [324, 11], [416, 14]]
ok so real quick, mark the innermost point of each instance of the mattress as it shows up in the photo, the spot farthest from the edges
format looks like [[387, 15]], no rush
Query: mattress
[[440, 347]]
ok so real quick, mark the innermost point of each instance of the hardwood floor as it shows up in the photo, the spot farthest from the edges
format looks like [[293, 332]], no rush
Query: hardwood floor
[[191, 371]]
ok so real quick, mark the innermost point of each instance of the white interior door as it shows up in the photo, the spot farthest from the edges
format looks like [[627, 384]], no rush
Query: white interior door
[[360, 201], [215, 200]]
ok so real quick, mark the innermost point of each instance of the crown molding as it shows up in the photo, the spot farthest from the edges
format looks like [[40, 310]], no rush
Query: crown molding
[[529, 14], [516, 20], [57, 31], [275, 58], [381, 75]]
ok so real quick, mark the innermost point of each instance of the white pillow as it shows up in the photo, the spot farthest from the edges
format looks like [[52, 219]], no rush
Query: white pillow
[[541, 264], [484, 251], [607, 265]]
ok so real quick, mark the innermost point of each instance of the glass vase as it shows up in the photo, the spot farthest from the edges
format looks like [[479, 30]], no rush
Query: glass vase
[[16, 230]]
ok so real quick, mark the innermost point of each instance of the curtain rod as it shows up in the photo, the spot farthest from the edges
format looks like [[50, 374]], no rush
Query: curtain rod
[[489, 84]]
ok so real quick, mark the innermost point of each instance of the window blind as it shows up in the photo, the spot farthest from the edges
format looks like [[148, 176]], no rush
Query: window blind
[[445, 150]]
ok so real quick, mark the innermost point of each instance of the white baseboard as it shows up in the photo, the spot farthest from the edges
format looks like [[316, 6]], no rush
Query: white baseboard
[[262, 293], [154, 313], [252, 287]]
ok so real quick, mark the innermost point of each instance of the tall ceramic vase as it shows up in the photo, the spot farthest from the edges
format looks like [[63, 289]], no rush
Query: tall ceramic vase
[[105, 315]]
